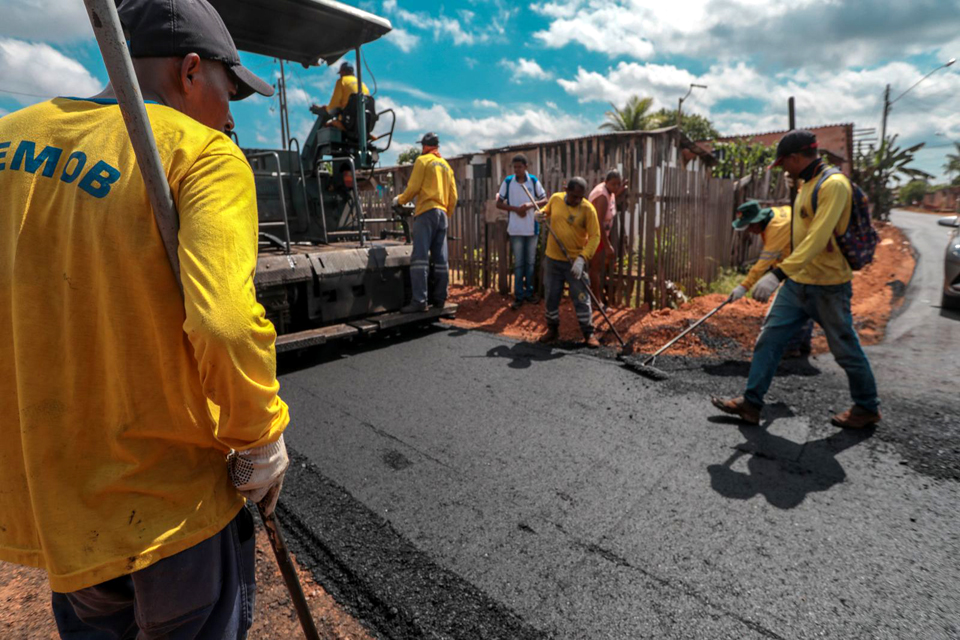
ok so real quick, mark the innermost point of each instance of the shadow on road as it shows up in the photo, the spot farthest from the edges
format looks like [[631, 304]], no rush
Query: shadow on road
[[741, 368], [952, 314], [522, 355], [782, 471]]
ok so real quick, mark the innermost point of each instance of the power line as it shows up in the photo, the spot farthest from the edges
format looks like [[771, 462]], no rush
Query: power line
[[23, 93]]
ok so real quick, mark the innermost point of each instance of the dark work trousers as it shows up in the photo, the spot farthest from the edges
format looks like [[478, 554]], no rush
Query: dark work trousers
[[205, 592], [429, 249], [555, 274]]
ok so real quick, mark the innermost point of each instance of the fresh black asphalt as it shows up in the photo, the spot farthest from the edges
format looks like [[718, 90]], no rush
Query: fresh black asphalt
[[455, 484]]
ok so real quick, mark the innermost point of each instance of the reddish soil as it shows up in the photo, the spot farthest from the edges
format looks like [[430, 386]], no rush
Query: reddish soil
[[736, 326], [928, 211], [25, 604]]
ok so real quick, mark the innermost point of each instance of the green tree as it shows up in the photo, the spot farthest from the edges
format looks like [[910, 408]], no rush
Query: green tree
[[633, 116], [952, 166], [875, 170], [740, 158], [913, 191], [408, 155], [693, 125]]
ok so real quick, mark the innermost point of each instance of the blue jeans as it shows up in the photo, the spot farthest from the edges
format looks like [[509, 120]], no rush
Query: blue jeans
[[524, 259], [829, 306], [802, 339], [429, 246], [555, 274], [203, 593]]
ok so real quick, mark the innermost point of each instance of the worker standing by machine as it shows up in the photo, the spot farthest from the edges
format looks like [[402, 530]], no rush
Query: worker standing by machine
[[773, 226], [123, 398], [346, 86], [434, 187]]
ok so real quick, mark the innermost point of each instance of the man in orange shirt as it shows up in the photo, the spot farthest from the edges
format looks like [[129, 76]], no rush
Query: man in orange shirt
[[124, 399], [604, 200]]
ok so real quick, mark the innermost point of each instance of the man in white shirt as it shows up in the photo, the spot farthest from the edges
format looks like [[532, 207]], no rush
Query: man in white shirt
[[522, 226]]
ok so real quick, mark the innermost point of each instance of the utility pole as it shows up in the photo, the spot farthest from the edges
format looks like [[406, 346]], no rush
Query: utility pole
[[791, 114], [886, 112], [680, 102]]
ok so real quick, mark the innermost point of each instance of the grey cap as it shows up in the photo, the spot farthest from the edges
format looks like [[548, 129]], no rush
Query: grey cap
[[174, 28]]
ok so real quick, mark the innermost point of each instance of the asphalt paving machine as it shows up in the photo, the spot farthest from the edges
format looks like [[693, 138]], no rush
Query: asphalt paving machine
[[321, 273]]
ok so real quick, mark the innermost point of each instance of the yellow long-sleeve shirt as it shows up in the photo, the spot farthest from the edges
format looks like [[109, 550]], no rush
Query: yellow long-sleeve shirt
[[776, 246], [432, 183], [346, 86], [816, 258], [120, 399], [577, 227]]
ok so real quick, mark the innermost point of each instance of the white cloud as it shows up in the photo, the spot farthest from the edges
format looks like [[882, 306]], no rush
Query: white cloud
[[50, 20], [776, 33], [41, 70], [442, 26], [523, 69], [485, 104], [403, 39], [3, 112], [463, 134]]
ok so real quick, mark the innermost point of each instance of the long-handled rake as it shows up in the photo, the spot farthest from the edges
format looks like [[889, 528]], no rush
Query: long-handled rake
[[626, 354]]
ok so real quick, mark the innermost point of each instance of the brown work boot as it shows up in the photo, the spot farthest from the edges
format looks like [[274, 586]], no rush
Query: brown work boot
[[591, 342], [856, 418], [553, 332], [738, 407]]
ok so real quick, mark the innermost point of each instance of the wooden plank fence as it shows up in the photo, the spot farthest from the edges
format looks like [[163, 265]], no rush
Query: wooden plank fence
[[672, 231]]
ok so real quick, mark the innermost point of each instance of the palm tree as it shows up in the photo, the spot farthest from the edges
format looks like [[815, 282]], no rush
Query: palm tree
[[634, 116], [952, 165]]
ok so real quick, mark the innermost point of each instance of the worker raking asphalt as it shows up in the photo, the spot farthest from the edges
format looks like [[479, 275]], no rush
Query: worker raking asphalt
[[551, 488]]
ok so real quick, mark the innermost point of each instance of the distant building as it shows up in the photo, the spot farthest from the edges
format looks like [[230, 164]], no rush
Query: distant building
[[836, 142], [942, 200]]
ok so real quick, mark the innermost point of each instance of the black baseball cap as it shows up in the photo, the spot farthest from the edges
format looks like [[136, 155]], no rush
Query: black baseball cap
[[346, 67], [794, 142], [171, 28], [430, 140]]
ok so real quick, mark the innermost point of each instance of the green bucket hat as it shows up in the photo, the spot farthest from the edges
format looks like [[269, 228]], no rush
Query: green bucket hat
[[749, 213]]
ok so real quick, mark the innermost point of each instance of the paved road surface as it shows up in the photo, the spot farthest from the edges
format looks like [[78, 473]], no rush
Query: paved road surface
[[458, 484]]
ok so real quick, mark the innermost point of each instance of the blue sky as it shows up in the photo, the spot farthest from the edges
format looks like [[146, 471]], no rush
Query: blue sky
[[487, 73]]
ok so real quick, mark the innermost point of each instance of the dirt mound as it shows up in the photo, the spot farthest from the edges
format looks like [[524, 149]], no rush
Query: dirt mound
[[877, 290]]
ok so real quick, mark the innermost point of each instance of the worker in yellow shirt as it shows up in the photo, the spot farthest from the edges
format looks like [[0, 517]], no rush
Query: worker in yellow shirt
[[434, 186], [346, 86], [122, 399], [574, 221], [773, 227], [816, 284]]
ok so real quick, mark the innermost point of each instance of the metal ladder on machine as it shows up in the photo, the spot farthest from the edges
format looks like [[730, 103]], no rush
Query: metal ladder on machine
[[280, 176]]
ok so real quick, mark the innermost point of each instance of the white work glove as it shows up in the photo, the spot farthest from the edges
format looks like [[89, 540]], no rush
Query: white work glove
[[396, 202], [738, 293], [577, 269], [258, 473], [765, 288]]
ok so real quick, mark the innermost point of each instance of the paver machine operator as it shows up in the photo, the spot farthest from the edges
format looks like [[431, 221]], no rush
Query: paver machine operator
[[321, 273]]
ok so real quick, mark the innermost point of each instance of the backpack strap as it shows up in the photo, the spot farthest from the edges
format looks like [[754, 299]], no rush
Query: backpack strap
[[507, 181], [832, 171]]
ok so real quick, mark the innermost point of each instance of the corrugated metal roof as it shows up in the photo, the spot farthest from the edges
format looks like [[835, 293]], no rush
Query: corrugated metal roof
[[782, 131]]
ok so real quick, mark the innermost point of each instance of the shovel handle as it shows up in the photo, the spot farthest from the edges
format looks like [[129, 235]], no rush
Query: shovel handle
[[596, 303], [685, 332]]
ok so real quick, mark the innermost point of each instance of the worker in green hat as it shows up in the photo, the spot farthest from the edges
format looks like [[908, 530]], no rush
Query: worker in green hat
[[773, 226]]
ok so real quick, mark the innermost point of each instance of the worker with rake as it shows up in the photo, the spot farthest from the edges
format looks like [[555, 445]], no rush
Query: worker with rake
[[123, 398], [574, 239], [773, 226], [816, 284]]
